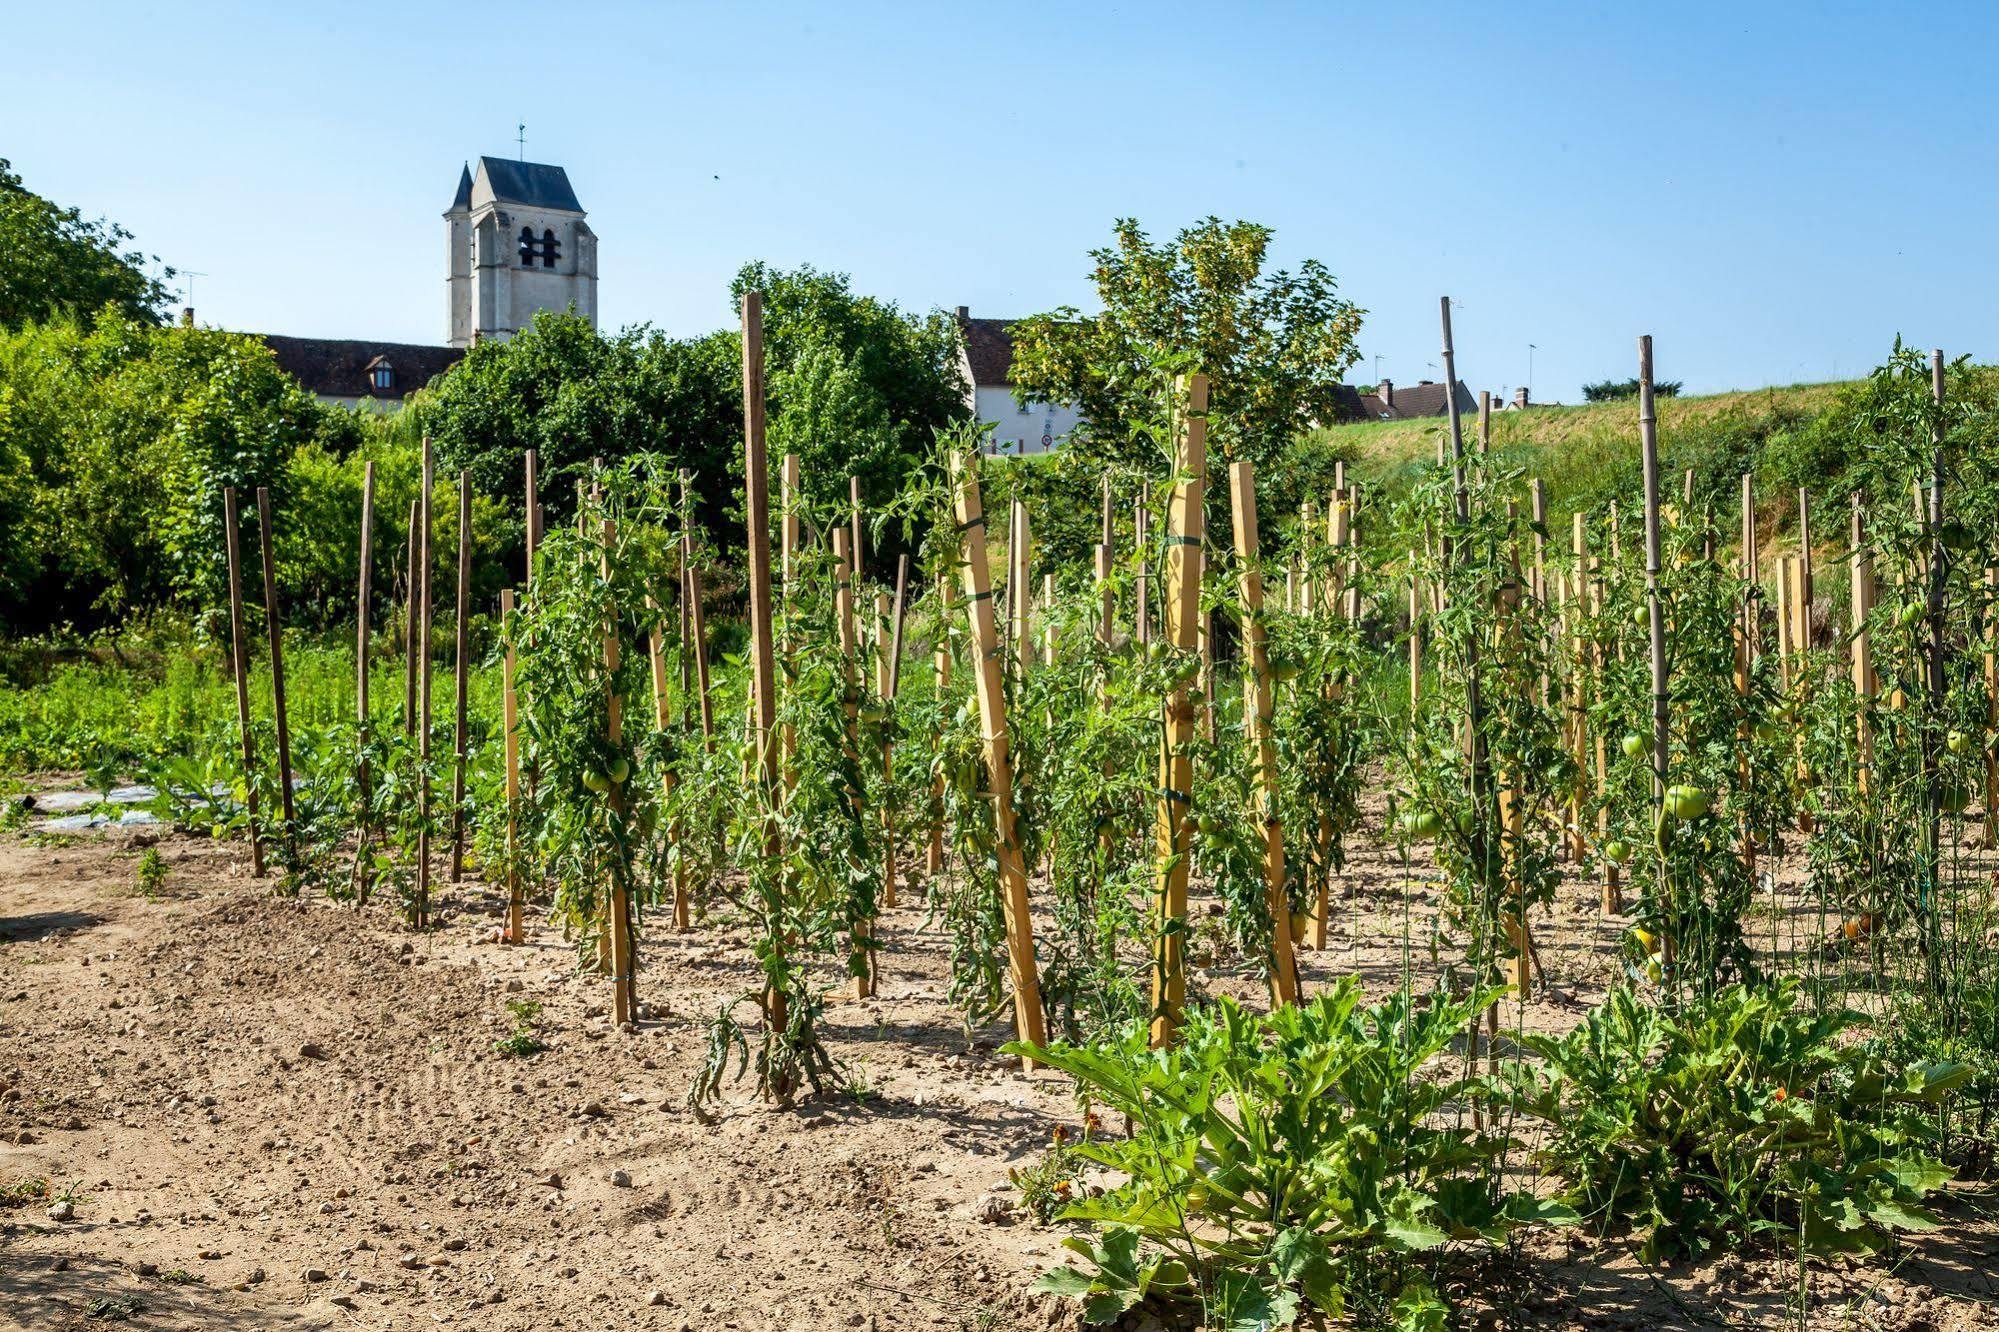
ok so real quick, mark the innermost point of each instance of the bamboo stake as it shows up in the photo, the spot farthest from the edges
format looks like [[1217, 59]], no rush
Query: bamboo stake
[[888, 677], [790, 541], [510, 719], [420, 914], [1648, 441], [1484, 419], [460, 668], [940, 676], [662, 720], [532, 520], [763, 670], [239, 660], [1142, 621], [1934, 681], [1258, 707], [1186, 521], [1028, 1021], [361, 878], [274, 626], [1578, 602], [860, 956], [412, 613], [1862, 651], [1020, 589], [624, 976], [690, 593]]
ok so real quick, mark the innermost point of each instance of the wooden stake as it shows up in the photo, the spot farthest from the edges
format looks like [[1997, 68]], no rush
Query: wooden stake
[[1020, 591], [1648, 442], [1028, 1022], [1186, 522], [510, 718], [888, 679], [1862, 651], [412, 614], [239, 660], [460, 668], [362, 879], [274, 625], [763, 665], [1258, 707], [940, 675], [420, 912], [624, 976], [860, 956]]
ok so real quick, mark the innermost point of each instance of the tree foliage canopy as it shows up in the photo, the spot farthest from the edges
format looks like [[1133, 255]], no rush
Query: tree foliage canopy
[[54, 260], [1274, 343]]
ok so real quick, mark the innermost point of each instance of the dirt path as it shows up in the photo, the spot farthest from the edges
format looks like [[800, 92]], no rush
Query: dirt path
[[268, 1116]]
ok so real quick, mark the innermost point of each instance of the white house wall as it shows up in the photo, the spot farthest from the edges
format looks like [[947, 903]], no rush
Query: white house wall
[[1035, 428]]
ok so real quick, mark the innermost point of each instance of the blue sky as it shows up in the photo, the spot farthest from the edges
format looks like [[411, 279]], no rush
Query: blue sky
[[1772, 191]]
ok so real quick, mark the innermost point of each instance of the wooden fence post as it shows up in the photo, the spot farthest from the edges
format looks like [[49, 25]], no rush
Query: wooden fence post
[[1028, 1021], [239, 660], [1258, 705]]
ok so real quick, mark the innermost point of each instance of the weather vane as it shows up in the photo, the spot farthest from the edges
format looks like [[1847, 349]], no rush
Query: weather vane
[[521, 141]]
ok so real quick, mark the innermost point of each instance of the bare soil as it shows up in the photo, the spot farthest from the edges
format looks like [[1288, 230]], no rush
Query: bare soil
[[263, 1114]]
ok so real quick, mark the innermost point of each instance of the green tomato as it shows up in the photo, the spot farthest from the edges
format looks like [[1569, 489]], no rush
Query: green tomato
[[1422, 824], [1911, 614], [1955, 799], [1642, 617], [621, 770], [1767, 732], [1687, 802], [873, 713], [1635, 745], [1617, 851], [596, 781], [1956, 535], [1284, 669], [1957, 742]]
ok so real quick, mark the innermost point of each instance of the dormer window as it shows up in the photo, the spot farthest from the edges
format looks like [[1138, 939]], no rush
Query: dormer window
[[381, 376]]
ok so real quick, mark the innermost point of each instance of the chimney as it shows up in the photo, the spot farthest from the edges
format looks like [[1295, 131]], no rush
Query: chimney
[[1520, 397], [187, 316], [1386, 393], [964, 313]]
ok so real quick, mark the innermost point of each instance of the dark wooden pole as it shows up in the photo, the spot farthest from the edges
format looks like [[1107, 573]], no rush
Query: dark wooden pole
[[361, 877], [274, 626], [460, 668], [239, 660]]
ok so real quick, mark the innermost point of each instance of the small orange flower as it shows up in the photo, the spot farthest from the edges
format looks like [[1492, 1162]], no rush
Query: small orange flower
[[1780, 1095]]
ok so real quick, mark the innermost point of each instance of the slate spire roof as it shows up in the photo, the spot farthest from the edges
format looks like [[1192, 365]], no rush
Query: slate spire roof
[[461, 202], [529, 184]]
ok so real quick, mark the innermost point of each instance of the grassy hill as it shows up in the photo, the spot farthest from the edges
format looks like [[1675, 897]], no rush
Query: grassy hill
[[1585, 455]]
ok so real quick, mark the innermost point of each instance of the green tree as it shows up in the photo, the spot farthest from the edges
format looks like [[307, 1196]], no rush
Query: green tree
[[855, 387], [116, 441], [53, 259], [573, 394], [1274, 343]]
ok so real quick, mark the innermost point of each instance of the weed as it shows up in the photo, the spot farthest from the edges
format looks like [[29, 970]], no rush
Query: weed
[[22, 1192], [152, 874], [523, 1040]]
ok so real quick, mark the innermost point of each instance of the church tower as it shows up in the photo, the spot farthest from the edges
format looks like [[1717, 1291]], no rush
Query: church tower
[[518, 244]]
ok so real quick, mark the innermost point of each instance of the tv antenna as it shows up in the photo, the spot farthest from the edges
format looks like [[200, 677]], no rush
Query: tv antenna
[[187, 292]]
